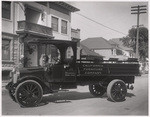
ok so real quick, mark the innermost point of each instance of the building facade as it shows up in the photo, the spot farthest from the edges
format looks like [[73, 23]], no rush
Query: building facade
[[25, 21]]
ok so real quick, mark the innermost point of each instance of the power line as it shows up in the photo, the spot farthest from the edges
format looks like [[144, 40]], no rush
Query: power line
[[101, 24]]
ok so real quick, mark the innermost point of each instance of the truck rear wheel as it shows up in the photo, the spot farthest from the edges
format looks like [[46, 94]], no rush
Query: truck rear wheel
[[116, 90], [28, 93], [97, 90]]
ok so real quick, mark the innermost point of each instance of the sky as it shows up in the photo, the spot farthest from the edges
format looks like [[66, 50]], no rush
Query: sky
[[115, 15]]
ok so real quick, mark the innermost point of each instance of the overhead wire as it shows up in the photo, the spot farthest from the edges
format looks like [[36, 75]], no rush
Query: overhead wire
[[101, 24]]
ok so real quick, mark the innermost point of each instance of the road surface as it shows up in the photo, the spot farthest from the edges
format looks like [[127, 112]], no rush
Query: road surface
[[80, 102]]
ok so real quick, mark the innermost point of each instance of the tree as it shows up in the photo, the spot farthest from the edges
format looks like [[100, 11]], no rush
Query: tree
[[130, 41]]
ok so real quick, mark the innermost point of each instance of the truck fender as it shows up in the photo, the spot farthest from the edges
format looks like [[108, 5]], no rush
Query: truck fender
[[37, 79]]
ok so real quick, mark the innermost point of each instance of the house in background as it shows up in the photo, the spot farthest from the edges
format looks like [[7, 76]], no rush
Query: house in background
[[119, 44], [108, 49], [100, 46], [23, 21]]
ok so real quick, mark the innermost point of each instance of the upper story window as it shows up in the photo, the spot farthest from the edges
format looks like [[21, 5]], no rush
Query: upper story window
[[6, 10], [63, 27], [5, 49], [55, 24]]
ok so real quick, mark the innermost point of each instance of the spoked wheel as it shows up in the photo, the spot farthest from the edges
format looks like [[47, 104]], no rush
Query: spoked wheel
[[29, 93], [96, 90], [117, 90]]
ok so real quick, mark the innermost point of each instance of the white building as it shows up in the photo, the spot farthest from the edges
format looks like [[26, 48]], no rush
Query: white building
[[44, 19]]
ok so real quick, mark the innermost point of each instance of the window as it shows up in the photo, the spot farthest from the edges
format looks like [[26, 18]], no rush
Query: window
[[64, 27], [52, 53], [119, 52], [55, 24], [5, 49], [6, 10], [69, 53]]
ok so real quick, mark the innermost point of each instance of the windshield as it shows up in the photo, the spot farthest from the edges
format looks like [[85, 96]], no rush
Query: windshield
[[48, 53]]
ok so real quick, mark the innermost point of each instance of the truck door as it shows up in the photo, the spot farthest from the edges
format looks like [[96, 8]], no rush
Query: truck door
[[53, 68], [56, 67], [57, 73], [69, 66], [64, 70], [63, 59]]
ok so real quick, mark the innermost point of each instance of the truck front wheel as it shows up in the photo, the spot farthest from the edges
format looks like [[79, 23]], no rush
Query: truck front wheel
[[96, 90], [116, 90], [28, 93]]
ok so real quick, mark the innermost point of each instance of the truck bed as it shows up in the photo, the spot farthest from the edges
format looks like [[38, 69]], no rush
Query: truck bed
[[107, 68]]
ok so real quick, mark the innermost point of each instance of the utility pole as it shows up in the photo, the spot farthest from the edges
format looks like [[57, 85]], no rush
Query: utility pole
[[138, 10]]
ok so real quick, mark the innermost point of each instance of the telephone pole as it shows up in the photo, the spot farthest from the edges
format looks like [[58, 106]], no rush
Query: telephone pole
[[138, 10]]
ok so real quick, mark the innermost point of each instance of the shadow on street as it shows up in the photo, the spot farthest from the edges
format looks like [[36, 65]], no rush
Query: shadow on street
[[66, 97]]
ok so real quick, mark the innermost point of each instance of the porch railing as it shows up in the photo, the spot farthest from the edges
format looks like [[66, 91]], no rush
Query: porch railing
[[32, 27]]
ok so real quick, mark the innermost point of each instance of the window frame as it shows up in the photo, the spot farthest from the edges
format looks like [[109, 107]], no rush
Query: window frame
[[64, 26], [57, 23], [11, 12], [10, 48]]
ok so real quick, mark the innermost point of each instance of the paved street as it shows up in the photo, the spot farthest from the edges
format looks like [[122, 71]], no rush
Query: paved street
[[80, 102]]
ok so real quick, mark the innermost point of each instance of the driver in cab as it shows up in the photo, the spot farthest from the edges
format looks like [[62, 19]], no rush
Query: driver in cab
[[47, 61]]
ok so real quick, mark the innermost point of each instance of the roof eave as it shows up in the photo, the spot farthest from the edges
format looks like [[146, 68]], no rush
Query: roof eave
[[68, 6]]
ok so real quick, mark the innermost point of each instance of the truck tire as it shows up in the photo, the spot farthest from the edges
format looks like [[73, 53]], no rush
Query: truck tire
[[28, 93], [117, 90], [96, 90]]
